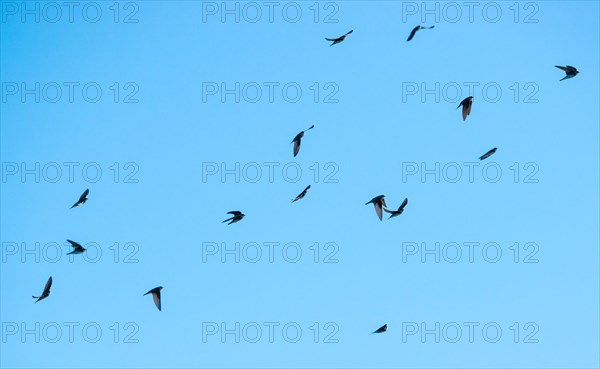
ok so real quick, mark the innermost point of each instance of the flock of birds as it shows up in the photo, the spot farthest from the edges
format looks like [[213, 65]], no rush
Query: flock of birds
[[378, 201]]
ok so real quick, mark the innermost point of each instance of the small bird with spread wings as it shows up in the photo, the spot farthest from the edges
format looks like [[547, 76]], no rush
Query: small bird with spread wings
[[379, 203], [237, 216], [339, 39], [466, 107], [298, 140], [488, 154], [156, 296], [302, 194], [569, 70], [381, 329], [414, 31], [46, 291], [82, 199]]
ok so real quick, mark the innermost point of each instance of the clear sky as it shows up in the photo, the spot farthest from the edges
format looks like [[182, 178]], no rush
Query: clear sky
[[174, 113]]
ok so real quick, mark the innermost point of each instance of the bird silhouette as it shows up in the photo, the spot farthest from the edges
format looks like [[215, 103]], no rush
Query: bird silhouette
[[339, 39], [466, 107], [400, 210], [77, 248], [414, 31], [379, 203], [298, 140], [237, 216], [82, 199], [156, 296], [569, 70], [46, 291], [488, 154], [381, 329], [302, 194]]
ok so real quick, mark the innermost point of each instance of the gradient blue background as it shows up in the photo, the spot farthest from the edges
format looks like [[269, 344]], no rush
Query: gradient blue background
[[368, 134]]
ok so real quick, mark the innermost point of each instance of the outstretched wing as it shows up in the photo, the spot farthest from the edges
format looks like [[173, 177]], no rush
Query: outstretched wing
[[403, 205], [379, 211], [412, 33], [47, 286], [466, 110], [84, 195], [156, 298], [235, 213], [297, 146]]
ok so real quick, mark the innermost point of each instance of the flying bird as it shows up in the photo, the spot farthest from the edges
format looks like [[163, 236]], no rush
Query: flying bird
[[82, 199], [237, 216], [379, 203], [400, 210], [155, 296], [302, 194], [339, 39], [569, 70], [414, 31], [77, 248], [298, 140], [46, 291], [466, 106], [488, 154], [381, 329]]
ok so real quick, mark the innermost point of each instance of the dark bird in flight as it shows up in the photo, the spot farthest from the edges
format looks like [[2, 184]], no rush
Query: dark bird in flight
[[379, 203], [466, 106], [237, 216], [302, 194], [488, 154], [400, 210], [569, 70], [155, 296], [82, 199], [414, 31], [381, 329], [46, 292], [77, 248], [298, 140], [339, 39]]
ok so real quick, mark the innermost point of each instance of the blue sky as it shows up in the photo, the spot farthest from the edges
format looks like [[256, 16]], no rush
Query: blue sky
[[153, 157]]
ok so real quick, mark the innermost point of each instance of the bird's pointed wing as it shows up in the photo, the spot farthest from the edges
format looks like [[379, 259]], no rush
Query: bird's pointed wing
[[412, 33], [331, 39], [48, 285], [235, 212], [156, 298], [403, 205], [378, 211], [388, 211], [84, 195], [466, 110], [75, 245], [349, 33], [566, 69], [297, 146]]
